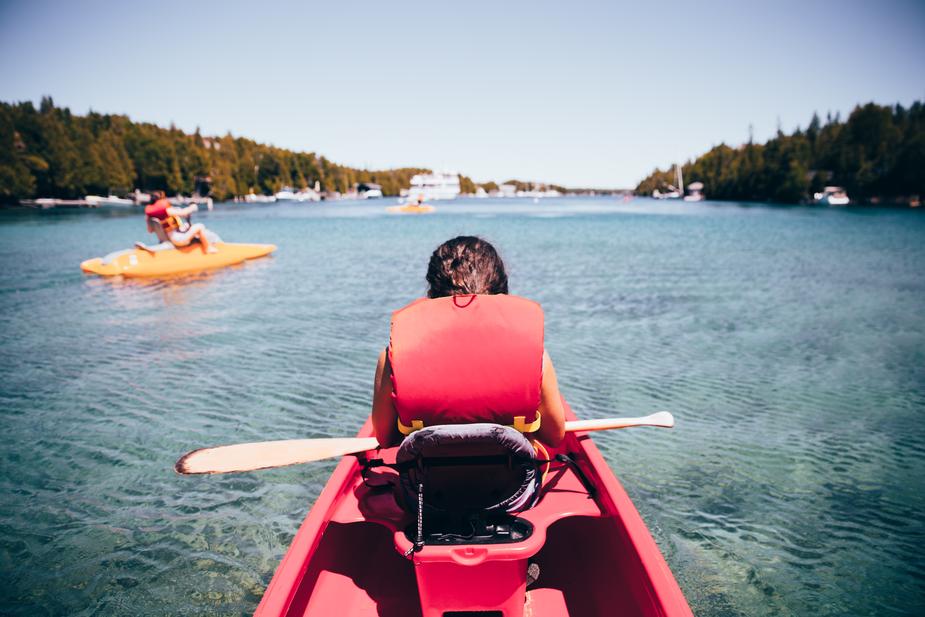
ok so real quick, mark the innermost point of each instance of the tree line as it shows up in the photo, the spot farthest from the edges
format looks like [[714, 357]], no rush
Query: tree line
[[50, 152], [877, 154]]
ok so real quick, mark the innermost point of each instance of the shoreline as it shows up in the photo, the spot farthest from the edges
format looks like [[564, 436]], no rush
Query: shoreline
[[625, 199]]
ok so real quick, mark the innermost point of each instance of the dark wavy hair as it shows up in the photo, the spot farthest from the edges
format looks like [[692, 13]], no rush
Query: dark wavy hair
[[465, 265]]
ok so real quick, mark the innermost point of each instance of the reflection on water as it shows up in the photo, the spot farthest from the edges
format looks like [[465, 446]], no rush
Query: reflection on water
[[173, 289], [788, 342]]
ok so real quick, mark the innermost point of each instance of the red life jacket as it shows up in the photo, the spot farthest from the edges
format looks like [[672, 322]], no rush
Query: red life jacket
[[466, 359], [158, 210]]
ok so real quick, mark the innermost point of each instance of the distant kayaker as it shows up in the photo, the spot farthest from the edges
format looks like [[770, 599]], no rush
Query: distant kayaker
[[175, 223], [467, 353]]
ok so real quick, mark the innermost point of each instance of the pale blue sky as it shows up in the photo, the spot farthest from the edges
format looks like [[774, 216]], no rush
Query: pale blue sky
[[579, 93]]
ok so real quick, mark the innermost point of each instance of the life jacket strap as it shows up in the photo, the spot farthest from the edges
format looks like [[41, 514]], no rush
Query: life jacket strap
[[172, 223], [520, 424]]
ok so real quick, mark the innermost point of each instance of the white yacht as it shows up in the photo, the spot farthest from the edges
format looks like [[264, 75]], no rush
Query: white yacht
[[832, 196], [431, 187]]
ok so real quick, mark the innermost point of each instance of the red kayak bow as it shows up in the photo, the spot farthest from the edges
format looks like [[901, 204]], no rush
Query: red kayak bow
[[596, 556]]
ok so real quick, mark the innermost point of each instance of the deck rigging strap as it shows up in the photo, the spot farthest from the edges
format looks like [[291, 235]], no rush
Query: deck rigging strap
[[418, 543]]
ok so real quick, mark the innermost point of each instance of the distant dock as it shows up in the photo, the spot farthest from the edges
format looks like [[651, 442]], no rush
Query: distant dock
[[46, 203]]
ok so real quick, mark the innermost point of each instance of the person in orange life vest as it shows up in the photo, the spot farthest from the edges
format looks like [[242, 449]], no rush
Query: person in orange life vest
[[467, 353], [174, 222]]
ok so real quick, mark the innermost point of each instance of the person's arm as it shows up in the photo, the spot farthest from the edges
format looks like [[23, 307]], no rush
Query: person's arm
[[552, 412], [385, 418], [184, 212]]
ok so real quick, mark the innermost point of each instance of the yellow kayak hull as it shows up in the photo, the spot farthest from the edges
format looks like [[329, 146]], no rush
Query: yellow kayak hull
[[410, 209], [139, 263]]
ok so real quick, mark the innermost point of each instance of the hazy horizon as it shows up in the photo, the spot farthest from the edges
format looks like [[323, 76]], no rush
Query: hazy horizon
[[590, 95]]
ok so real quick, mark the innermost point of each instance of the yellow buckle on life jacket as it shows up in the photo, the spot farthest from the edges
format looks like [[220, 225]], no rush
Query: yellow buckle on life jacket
[[416, 425], [520, 424]]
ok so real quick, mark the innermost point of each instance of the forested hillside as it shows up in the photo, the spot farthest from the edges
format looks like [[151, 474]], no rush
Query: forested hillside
[[50, 152], [878, 153]]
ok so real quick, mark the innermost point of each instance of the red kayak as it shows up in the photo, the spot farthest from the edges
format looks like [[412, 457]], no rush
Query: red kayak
[[353, 555]]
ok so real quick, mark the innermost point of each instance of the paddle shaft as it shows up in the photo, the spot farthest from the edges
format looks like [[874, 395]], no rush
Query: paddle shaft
[[270, 454], [662, 419]]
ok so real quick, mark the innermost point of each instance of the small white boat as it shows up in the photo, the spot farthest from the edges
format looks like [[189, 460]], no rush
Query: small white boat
[[694, 192], [672, 194], [97, 201], [255, 198], [369, 190], [287, 193], [182, 201], [307, 195], [832, 196]]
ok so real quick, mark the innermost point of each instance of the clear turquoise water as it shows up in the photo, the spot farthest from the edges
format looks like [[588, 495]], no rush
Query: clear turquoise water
[[788, 342]]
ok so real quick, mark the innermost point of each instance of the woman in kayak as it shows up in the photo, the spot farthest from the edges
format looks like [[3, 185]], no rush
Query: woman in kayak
[[467, 353], [175, 223]]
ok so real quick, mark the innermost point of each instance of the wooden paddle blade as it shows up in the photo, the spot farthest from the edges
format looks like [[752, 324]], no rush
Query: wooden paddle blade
[[267, 454], [661, 419]]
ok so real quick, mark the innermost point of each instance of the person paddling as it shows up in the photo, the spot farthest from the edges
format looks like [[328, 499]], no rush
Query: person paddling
[[175, 223], [467, 353]]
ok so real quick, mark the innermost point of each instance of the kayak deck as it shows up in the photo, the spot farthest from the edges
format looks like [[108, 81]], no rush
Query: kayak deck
[[140, 263], [596, 555]]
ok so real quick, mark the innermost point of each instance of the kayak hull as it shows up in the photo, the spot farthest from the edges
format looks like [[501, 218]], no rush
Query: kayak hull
[[410, 209], [596, 555], [139, 263]]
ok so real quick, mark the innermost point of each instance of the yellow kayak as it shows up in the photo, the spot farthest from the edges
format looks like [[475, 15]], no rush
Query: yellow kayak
[[411, 209], [167, 260]]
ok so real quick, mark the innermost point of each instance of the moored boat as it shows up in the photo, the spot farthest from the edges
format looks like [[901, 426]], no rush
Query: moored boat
[[287, 193], [257, 198], [694, 192], [584, 542], [99, 201], [433, 186], [369, 190], [673, 192], [832, 196], [167, 260]]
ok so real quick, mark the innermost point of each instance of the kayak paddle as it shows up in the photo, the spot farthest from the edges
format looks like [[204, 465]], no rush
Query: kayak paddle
[[270, 454]]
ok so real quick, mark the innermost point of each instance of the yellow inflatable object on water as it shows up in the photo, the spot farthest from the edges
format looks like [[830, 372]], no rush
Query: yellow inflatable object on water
[[163, 260], [411, 209]]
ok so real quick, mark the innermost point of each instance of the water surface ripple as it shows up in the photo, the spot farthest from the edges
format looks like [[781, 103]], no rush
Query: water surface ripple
[[788, 342]]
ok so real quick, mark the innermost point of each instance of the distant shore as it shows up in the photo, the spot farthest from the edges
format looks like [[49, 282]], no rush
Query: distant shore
[[876, 156], [54, 154]]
